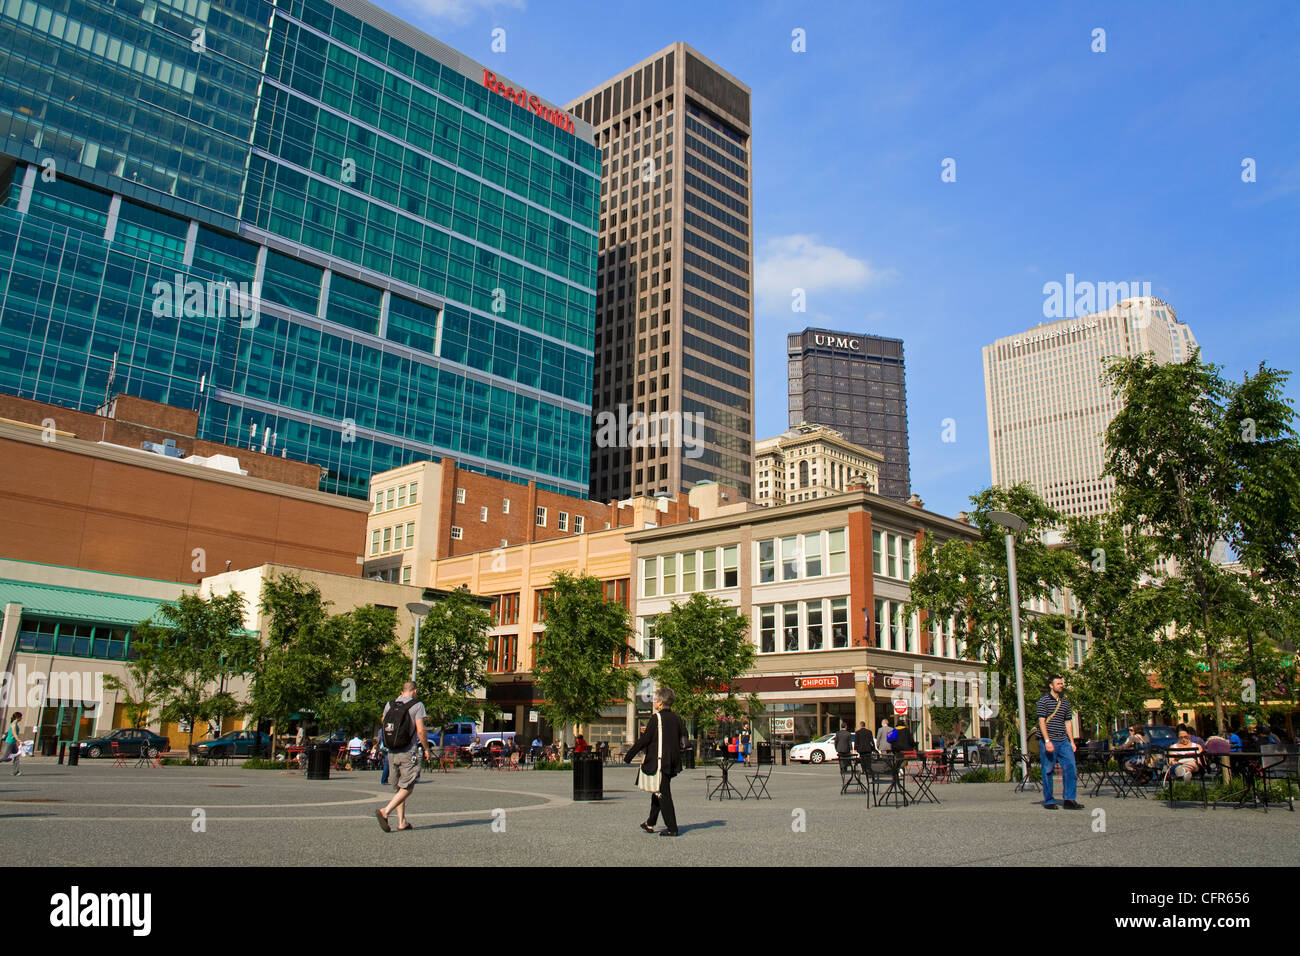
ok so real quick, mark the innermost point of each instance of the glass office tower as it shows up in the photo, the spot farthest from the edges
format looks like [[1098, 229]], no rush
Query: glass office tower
[[336, 237]]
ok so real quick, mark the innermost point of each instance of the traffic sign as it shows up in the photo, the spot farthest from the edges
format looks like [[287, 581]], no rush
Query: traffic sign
[[900, 706], [985, 712]]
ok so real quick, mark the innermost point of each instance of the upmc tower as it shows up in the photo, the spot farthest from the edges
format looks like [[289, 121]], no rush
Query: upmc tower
[[854, 383], [304, 219]]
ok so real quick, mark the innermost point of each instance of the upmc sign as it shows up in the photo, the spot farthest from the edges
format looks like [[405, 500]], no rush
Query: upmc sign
[[837, 342], [560, 118]]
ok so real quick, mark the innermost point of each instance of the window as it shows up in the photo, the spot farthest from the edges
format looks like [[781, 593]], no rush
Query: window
[[813, 612], [650, 577], [688, 572], [389, 497], [877, 553], [812, 550], [836, 563], [410, 534], [708, 572], [766, 562], [540, 597], [670, 574], [460, 496], [541, 517], [767, 629], [649, 645], [374, 541], [616, 590], [388, 539], [482, 513], [505, 506], [411, 497], [401, 496], [562, 522], [790, 629], [840, 622], [905, 557], [457, 532], [506, 609], [578, 522], [406, 574], [789, 558], [731, 566], [882, 623], [379, 502]]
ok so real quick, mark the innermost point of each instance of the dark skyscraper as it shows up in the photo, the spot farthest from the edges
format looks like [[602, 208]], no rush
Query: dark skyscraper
[[855, 384]]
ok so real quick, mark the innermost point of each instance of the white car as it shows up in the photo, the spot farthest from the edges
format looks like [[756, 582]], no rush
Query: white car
[[816, 751]]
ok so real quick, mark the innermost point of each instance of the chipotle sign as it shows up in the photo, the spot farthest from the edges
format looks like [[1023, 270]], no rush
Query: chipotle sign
[[828, 682]]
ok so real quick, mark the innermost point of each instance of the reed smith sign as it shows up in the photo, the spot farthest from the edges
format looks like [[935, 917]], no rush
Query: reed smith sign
[[522, 97]]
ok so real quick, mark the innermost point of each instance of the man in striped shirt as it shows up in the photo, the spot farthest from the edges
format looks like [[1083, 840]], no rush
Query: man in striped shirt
[[1056, 743]]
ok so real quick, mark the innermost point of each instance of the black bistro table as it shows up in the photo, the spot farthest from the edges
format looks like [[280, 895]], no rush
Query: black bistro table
[[1251, 768], [724, 789], [897, 789]]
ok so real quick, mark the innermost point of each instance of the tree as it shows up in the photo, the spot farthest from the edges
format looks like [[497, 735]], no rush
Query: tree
[[967, 581], [369, 667], [454, 658], [191, 646], [1122, 613], [705, 650], [145, 688], [585, 635], [1200, 463], [296, 669]]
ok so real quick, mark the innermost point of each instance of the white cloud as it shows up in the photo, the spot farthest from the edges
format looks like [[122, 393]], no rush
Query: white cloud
[[458, 11], [801, 262]]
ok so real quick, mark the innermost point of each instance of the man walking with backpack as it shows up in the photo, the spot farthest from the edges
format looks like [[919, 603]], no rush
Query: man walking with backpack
[[403, 730]]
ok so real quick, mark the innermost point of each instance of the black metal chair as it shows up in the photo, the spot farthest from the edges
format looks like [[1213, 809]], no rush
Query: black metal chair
[[759, 778], [888, 771]]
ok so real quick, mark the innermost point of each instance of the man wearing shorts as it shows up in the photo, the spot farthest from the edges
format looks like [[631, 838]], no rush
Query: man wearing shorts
[[404, 765]]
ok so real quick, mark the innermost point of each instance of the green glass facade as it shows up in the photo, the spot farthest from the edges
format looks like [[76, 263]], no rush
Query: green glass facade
[[337, 245]]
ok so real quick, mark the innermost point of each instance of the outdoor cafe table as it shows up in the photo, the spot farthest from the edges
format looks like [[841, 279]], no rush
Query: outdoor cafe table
[[724, 789], [897, 787], [1251, 766]]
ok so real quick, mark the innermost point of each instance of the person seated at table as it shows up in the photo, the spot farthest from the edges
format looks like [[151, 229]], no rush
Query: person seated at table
[[1184, 763], [1234, 740], [580, 745]]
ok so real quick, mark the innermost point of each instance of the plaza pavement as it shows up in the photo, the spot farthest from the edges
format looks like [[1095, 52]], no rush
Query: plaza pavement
[[99, 815]]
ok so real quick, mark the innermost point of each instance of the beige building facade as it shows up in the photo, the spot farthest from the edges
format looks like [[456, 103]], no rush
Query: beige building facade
[[811, 461], [1048, 408]]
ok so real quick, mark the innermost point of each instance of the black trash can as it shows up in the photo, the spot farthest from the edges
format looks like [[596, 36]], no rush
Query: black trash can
[[588, 777], [688, 756], [49, 747], [74, 754], [318, 761], [784, 749], [764, 753]]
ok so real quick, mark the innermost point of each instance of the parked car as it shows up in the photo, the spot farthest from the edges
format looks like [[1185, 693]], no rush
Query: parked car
[[130, 742], [464, 734], [817, 750], [979, 751], [237, 743]]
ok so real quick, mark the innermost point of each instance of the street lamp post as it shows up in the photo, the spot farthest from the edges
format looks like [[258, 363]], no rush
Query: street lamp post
[[418, 611], [1014, 524]]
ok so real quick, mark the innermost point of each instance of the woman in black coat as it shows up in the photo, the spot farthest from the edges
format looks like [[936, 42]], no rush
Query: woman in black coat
[[674, 740]]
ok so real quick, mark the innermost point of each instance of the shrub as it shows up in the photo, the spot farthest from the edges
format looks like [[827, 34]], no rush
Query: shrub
[[258, 763], [983, 775], [553, 765]]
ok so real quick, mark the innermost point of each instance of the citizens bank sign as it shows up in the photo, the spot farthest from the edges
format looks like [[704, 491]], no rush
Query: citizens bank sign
[[560, 118], [837, 342]]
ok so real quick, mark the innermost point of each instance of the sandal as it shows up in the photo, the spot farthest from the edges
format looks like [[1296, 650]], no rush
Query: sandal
[[383, 821], [407, 827]]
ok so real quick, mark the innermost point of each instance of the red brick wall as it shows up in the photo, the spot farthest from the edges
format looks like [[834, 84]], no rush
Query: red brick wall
[[862, 591], [139, 421], [66, 508]]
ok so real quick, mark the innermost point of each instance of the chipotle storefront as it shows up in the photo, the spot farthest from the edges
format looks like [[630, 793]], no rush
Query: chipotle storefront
[[799, 707]]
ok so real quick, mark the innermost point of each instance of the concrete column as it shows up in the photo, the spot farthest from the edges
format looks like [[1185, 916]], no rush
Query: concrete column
[[29, 183], [110, 228]]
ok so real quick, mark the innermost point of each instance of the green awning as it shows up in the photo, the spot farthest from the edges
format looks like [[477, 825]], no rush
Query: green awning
[[53, 601]]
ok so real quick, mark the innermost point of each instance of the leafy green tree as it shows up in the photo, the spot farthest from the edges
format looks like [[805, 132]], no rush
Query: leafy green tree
[[967, 581], [454, 658], [190, 642], [585, 636], [705, 650], [1122, 612], [296, 669], [1199, 463], [145, 687], [369, 667]]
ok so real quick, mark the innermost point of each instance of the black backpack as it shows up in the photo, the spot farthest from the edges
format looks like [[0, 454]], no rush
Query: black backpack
[[399, 728]]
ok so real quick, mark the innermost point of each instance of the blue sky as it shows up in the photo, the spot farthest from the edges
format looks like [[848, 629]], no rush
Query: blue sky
[[1117, 166]]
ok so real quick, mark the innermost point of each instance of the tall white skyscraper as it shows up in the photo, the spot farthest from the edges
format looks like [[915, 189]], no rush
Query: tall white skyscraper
[[1048, 408]]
